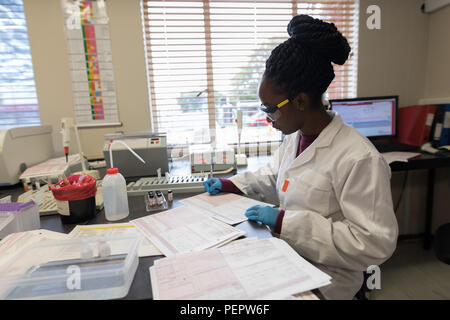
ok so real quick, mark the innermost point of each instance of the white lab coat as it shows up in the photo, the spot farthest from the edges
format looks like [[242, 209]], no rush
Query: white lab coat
[[338, 203]]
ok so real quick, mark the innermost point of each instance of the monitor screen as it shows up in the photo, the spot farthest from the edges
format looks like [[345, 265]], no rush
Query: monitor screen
[[372, 117]]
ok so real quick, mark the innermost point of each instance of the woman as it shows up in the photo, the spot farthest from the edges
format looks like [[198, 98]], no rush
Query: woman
[[333, 185]]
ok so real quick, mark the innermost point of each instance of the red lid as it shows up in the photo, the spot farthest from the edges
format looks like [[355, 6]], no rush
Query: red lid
[[112, 171]]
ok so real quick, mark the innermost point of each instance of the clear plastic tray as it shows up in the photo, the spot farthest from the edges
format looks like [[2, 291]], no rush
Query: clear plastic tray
[[26, 216], [8, 224], [90, 268]]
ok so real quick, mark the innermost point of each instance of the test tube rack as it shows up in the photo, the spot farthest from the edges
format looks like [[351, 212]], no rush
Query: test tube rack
[[178, 184]]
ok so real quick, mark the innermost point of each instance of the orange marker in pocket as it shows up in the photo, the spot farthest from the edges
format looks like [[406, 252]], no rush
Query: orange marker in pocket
[[285, 185]]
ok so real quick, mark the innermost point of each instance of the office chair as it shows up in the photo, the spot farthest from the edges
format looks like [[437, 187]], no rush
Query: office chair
[[442, 243]]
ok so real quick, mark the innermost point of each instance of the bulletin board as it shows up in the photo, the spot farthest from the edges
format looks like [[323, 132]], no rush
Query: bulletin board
[[91, 64]]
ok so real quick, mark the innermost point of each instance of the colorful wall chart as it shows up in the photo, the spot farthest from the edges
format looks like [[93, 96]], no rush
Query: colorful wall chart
[[90, 58]]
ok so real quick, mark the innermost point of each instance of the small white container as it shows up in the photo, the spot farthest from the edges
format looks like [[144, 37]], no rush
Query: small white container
[[7, 224], [61, 269], [115, 196], [25, 217]]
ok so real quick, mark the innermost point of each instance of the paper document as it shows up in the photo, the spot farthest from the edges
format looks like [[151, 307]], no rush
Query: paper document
[[227, 207], [244, 269], [398, 156], [16, 242], [146, 248], [185, 229]]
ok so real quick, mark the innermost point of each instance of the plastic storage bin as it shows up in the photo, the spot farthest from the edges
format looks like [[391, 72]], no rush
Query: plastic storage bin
[[26, 216], [89, 268], [7, 224]]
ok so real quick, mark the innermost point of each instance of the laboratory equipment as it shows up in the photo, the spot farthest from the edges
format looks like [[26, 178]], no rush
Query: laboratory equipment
[[65, 131], [52, 170], [25, 217], [149, 146], [179, 184], [170, 195], [155, 201], [66, 125], [21, 148], [151, 198], [115, 188], [202, 157], [89, 268], [241, 158]]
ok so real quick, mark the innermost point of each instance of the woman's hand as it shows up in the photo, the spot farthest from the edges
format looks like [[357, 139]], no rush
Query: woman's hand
[[264, 214], [213, 186]]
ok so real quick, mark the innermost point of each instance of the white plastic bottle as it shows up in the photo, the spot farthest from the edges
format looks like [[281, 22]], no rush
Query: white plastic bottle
[[115, 195]]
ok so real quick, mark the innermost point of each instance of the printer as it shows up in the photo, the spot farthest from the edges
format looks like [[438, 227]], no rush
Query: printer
[[149, 146], [23, 147]]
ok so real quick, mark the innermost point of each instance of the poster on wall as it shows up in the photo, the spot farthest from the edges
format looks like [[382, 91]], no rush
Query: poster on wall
[[91, 65]]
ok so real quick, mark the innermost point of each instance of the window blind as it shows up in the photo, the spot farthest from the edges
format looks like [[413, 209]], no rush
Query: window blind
[[18, 100], [205, 59]]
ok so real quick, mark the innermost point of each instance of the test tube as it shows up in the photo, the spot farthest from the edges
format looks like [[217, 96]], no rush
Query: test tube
[[158, 198], [151, 198]]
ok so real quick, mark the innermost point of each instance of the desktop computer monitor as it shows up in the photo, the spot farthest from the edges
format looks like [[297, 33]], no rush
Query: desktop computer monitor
[[372, 117]]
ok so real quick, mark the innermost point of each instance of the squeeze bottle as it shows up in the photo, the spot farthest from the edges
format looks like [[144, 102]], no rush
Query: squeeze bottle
[[115, 195]]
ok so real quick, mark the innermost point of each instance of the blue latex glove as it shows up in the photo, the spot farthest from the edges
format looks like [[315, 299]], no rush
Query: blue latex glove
[[264, 214], [213, 186]]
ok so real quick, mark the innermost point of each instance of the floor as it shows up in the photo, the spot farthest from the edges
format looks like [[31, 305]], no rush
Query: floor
[[413, 273]]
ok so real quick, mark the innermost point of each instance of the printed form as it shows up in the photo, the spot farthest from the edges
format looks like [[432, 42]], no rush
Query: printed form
[[146, 248], [227, 207], [244, 269], [15, 242], [185, 229]]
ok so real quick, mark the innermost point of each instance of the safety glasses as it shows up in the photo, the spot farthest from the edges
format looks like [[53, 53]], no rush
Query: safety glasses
[[273, 113]]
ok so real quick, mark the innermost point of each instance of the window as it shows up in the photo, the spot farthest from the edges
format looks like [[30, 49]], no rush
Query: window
[[18, 100], [206, 57]]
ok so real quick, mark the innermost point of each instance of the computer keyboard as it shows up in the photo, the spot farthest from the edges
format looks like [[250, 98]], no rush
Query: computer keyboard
[[178, 184]]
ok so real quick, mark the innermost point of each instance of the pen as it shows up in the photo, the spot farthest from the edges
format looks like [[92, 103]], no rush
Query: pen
[[211, 166], [211, 170]]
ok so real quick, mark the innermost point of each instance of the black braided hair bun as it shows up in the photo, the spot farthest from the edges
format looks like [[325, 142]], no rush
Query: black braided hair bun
[[320, 37]]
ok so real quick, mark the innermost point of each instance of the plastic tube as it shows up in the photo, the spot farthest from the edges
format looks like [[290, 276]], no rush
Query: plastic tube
[[131, 150]]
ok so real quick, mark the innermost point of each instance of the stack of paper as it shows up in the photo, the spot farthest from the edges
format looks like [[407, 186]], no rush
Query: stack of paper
[[227, 207], [146, 248], [16, 242], [398, 156], [244, 269], [185, 229]]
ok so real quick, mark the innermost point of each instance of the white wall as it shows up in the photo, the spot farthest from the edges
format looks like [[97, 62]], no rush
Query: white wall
[[52, 73]]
